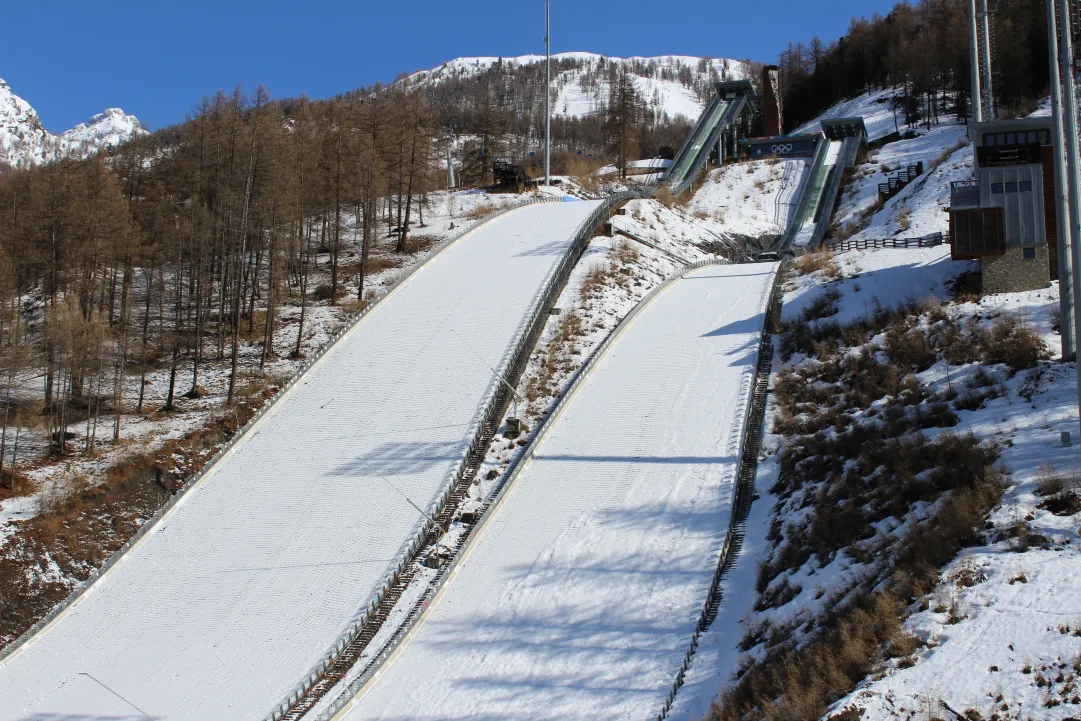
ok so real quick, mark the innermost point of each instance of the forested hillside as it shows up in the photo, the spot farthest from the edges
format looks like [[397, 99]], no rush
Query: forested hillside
[[921, 48]]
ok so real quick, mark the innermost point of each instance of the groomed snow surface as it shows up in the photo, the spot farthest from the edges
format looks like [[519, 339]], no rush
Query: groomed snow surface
[[238, 592], [578, 596]]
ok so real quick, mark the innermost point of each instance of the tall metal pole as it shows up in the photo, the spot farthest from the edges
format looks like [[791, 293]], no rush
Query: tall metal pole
[[974, 39], [450, 169], [1073, 178], [1062, 221], [990, 101], [547, 93]]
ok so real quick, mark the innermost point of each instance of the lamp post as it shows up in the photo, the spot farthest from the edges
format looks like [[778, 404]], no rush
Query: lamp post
[[547, 93]]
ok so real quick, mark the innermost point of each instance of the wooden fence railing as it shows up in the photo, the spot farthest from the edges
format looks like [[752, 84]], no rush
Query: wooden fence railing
[[924, 241]]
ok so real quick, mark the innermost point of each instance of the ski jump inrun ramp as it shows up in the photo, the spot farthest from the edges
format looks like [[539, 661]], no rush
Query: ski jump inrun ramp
[[578, 594], [239, 590]]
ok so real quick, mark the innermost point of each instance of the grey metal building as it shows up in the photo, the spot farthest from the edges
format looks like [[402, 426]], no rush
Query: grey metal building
[[1005, 216]]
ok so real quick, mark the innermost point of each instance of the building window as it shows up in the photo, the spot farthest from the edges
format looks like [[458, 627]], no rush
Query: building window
[[996, 188], [1011, 187], [1031, 136], [1000, 139], [1011, 138], [988, 138], [1045, 137], [1028, 253], [1025, 186]]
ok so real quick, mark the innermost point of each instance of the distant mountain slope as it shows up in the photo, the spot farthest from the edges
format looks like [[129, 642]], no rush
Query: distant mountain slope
[[102, 130], [25, 141], [672, 85]]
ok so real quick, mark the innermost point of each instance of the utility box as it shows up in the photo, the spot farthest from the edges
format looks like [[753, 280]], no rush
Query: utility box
[[514, 428]]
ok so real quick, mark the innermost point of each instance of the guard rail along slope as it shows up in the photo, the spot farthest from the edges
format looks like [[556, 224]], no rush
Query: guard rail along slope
[[332, 670], [578, 591]]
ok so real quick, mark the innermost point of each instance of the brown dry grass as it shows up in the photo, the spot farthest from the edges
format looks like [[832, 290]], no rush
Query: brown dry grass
[[822, 260], [904, 219], [480, 210]]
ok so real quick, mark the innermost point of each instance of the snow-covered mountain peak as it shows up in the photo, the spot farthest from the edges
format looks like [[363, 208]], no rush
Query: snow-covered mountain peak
[[25, 141], [106, 129], [22, 137]]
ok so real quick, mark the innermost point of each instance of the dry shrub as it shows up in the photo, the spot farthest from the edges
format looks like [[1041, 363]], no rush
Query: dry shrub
[[876, 205], [419, 242], [62, 496], [668, 199], [378, 263], [1012, 344], [592, 283], [480, 210], [321, 292], [664, 196], [1061, 491], [584, 171], [823, 306], [258, 326], [945, 154], [904, 219], [581, 166], [800, 685], [909, 348], [818, 261], [1049, 481], [625, 254]]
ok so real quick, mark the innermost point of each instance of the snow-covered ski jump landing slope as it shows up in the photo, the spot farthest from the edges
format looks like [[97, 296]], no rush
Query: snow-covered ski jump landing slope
[[578, 595], [241, 588]]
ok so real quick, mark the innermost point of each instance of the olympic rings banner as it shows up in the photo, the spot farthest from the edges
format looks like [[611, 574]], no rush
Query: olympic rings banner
[[797, 147]]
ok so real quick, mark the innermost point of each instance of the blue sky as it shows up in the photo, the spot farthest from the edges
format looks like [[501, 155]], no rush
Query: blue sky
[[156, 59]]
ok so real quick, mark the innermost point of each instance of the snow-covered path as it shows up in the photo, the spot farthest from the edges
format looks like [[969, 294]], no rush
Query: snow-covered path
[[242, 587], [578, 596]]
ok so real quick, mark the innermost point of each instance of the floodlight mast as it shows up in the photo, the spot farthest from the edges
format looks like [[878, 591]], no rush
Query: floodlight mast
[[547, 94]]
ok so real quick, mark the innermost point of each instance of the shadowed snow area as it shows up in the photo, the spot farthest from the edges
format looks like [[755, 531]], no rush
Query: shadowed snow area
[[238, 592], [579, 596]]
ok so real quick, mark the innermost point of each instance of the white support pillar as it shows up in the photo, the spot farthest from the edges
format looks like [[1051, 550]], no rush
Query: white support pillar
[[1062, 221], [1073, 176]]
